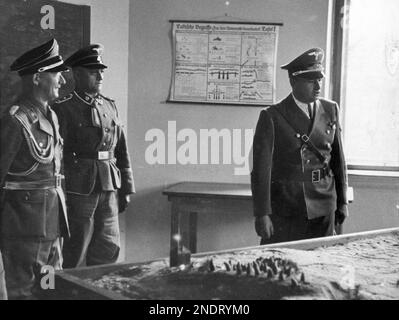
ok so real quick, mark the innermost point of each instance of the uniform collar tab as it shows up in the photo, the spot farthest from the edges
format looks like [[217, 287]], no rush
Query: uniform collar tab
[[85, 97]]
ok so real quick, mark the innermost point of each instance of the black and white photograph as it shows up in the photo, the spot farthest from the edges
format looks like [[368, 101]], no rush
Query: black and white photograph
[[199, 156]]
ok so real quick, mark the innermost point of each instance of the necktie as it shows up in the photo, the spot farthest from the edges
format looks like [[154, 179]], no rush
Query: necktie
[[310, 110]]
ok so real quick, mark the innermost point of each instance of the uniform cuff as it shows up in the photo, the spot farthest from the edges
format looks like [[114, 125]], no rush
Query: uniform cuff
[[127, 181], [343, 209]]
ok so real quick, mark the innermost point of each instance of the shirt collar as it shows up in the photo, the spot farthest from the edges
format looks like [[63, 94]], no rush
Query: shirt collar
[[302, 105]]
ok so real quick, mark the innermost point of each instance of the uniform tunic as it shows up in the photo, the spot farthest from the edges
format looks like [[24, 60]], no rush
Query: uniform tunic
[[283, 164], [33, 208], [97, 169]]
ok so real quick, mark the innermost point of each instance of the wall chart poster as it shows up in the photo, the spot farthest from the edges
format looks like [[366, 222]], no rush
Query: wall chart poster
[[224, 62]]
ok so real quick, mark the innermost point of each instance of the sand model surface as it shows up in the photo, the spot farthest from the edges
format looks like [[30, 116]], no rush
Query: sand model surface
[[363, 269]]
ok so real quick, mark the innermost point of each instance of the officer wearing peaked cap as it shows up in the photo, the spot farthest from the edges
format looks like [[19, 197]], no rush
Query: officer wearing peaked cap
[[89, 57], [299, 177], [33, 208], [40, 59], [98, 172], [308, 65]]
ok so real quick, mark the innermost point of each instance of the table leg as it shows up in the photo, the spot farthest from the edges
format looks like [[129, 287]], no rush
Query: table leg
[[339, 229], [174, 231], [193, 231]]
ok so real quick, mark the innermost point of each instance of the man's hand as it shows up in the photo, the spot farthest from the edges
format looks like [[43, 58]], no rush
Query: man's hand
[[341, 214], [124, 200], [264, 227], [339, 217]]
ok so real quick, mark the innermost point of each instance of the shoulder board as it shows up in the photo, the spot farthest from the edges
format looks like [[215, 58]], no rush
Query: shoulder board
[[25, 112], [329, 105], [23, 116], [324, 100], [107, 98], [66, 98], [13, 110]]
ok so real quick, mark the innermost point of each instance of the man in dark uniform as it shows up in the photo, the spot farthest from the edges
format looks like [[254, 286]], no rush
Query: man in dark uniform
[[98, 173], [33, 209], [299, 178]]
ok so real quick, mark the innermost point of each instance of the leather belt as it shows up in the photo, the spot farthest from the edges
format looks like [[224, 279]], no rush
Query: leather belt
[[95, 155], [314, 176], [52, 183]]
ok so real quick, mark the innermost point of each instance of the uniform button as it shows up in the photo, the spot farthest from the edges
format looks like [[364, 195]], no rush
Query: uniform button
[[307, 161], [79, 124], [76, 161], [328, 131], [328, 145], [104, 144], [106, 130], [298, 136], [41, 144], [105, 115]]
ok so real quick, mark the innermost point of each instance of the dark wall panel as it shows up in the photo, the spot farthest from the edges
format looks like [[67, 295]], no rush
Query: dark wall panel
[[20, 30]]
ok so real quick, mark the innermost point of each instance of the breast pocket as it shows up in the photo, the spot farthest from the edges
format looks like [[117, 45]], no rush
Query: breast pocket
[[88, 136], [117, 127], [24, 214]]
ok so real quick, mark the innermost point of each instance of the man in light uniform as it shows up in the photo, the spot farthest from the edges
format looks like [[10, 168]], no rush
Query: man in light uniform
[[33, 209]]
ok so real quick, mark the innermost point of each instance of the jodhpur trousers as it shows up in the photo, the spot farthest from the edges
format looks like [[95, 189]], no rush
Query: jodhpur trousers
[[94, 227], [23, 262]]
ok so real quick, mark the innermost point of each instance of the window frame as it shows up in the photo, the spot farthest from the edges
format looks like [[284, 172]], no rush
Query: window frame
[[340, 11]]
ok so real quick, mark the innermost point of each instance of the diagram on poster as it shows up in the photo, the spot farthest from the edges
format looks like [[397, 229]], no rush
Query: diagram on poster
[[224, 62]]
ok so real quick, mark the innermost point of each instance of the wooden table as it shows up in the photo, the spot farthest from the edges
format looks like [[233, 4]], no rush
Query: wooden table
[[193, 198]]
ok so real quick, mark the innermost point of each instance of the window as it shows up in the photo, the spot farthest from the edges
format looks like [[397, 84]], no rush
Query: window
[[368, 34]]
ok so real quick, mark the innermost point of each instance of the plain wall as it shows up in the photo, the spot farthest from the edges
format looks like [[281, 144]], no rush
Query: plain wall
[[150, 67], [376, 203]]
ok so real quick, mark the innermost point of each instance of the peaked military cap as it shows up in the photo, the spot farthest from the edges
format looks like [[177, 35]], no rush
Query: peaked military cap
[[308, 65], [87, 57], [44, 58]]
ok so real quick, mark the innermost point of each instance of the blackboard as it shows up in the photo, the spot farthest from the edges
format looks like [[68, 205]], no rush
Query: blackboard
[[20, 31]]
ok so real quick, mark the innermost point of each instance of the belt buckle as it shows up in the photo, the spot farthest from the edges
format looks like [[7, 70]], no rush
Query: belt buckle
[[316, 175], [103, 155], [305, 138]]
